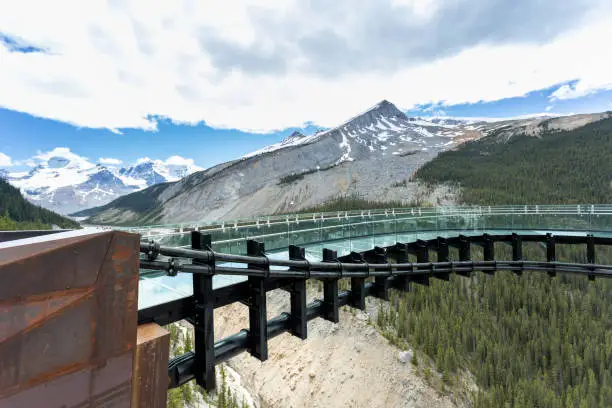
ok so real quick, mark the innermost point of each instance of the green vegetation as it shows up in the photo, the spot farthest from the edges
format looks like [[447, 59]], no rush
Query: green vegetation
[[529, 341], [352, 202], [298, 176], [187, 394], [560, 167], [142, 202], [19, 214]]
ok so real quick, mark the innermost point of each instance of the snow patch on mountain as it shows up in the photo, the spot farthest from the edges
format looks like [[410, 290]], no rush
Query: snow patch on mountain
[[66, 182]]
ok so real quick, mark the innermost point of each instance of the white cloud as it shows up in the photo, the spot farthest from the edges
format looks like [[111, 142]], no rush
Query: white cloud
[[64, 153], [5, 161], [109, 161], [179, 161], [143, 160], [170, 161], [118, 64], [580, 89]]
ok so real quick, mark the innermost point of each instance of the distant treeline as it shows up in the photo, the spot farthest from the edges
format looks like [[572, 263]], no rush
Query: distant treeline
[[558, 167], [17, 213]]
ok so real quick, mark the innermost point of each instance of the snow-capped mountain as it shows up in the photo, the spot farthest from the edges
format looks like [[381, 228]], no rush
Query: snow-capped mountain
[[367, 154], [383, 129], [66, 182]]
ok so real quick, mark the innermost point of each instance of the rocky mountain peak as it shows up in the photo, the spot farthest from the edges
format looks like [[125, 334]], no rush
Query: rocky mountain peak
[[384, 110]]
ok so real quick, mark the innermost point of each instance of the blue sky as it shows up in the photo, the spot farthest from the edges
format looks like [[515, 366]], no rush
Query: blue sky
[[23, 136], [126, 80]]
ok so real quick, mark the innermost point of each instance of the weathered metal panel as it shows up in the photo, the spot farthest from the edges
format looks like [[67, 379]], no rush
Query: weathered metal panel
[[150, 384], [68, 312]]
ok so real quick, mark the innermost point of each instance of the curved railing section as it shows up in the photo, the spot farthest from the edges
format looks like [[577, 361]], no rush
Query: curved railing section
[[280, 231], [372, 273]]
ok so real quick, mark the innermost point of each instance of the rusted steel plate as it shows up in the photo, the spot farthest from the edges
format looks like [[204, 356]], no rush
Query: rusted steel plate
[[68, 311], [150, 384]]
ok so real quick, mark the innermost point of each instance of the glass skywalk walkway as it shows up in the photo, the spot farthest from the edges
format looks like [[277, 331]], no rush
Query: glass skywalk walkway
[[359, 231]]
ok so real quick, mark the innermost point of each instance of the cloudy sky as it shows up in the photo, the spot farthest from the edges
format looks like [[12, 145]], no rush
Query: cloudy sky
[[212, 80]]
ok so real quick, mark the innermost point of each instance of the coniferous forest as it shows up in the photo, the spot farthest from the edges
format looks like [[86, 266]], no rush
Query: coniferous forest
[[557, 167], [528, 341], [17, 213]]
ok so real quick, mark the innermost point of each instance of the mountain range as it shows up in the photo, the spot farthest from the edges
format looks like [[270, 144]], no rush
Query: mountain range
[[370, 155], [65, 182], [366, 154]]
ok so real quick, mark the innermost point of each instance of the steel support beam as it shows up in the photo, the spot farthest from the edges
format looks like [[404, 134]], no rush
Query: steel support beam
[[258, 324], [591, 253], [381, 283], [399, 252], [330, 290], [464, 253], [551, 253], [203, 318], [299, 326], [422, 254], [442, 249], [488, 249], [517, 251]]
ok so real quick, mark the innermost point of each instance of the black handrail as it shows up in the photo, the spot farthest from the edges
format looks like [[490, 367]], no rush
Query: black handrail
[[205, 263]]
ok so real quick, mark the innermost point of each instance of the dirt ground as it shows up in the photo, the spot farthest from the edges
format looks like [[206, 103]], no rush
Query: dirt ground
[[348, 364]]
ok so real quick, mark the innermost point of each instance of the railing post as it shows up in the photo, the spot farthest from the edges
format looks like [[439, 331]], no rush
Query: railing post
[[258, 323], [591, 253], [488, 250], [357, 285], [422, 254], [330, 290], [381, 283], [299, 320], [400, 253], [464, 253], [442, 249], [204, 337], [517, 251], [550, 253]]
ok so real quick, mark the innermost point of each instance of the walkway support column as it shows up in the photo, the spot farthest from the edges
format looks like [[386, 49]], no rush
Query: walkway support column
[[299, 320], [330, 290], [258, 323], [203, 319]]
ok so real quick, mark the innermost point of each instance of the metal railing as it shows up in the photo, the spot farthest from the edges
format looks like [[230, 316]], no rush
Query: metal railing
[[388, 266], [279, 232]]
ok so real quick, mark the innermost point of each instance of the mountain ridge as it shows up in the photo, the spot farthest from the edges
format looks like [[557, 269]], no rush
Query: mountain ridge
[[66, 183], [366, 155], [373, 141]]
